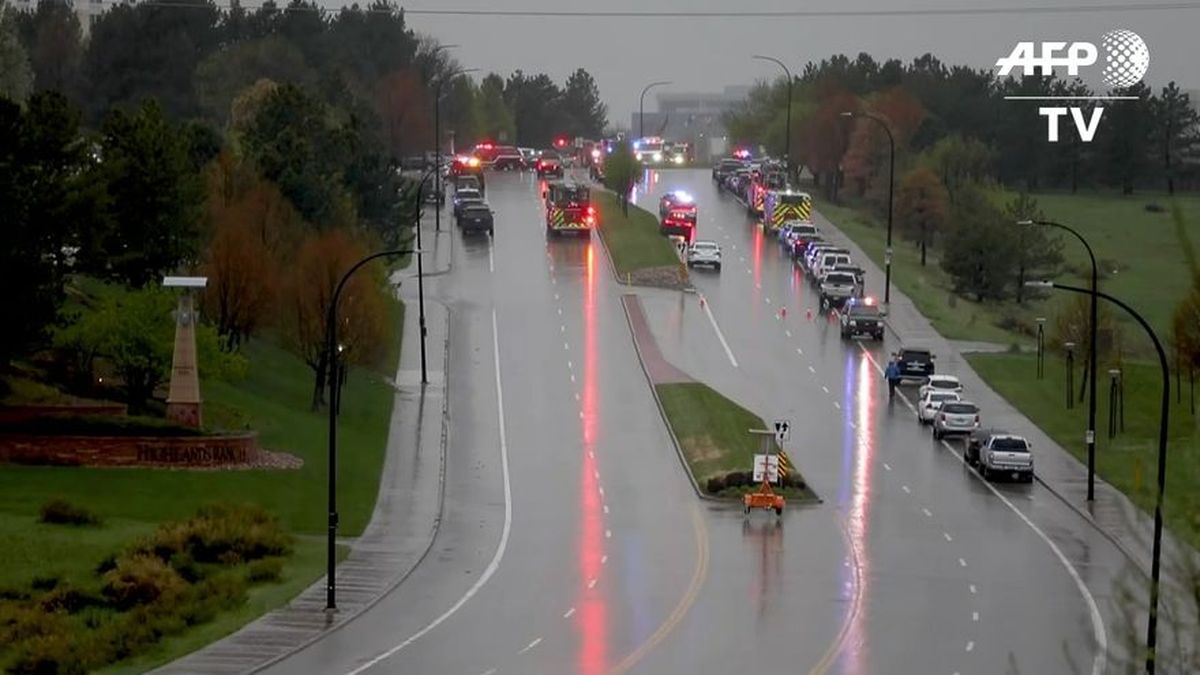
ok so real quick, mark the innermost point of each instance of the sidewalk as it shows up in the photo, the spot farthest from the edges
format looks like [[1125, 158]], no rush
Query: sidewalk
[[402, 527], [1112, 513]]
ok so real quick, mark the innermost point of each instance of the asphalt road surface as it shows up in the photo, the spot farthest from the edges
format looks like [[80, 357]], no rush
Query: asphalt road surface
[[571, 541]]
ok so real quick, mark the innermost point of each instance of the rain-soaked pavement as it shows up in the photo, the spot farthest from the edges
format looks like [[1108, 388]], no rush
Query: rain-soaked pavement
[[572, 542]]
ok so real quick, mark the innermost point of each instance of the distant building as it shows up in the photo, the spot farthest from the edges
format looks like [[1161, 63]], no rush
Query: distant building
[[88, 11], [693, 117]]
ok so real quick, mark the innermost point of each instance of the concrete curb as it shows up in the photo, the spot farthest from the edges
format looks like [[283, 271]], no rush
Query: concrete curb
[[1097, 526], [350, 617], [662, 411]]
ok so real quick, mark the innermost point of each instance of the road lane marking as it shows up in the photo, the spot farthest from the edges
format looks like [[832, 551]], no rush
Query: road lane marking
[[947, 536], [556, 296], [601, 490], [573, 379], [839, 641], [685, 603], [562, 328], [491, 257], [604, 560], [927, 512], [970, 645], [799, 351], [591, 584], [606, 509], [576, 393], [566, 346], [768, 300], [837, 405], [973, 589], [560, 311], [1100, 659], [580, 414], [788, 332], [570, 364], [568, 613], [887, 466], [974, 616], [490, 671], [812, 370], [720, 336], [608, 534], [825, 389], [962, 563], [529, 646], [596, 474], [500, 547], [853, 425], [906, 490]]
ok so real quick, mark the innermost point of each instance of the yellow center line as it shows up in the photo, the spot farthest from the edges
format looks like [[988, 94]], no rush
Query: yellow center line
[[839, 641], [685, 603]]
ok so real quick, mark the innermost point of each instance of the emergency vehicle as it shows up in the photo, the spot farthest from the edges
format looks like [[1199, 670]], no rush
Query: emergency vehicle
[[648, 150], [680, 220], [767, 177], [781, 206], [568, 208]]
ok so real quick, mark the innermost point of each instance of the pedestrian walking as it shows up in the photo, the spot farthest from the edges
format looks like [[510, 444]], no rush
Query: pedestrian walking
[[892, 374]]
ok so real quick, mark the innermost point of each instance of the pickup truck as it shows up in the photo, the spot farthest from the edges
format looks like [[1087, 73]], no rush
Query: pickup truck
[[998, 453], [837, 288]]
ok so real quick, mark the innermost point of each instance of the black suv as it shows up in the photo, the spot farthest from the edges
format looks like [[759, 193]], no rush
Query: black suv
[[477, 217], [860, 318], [915, 363]]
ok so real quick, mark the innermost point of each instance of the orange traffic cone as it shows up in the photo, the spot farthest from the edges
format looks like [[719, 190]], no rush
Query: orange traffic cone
[[808, 314], [783, 313]]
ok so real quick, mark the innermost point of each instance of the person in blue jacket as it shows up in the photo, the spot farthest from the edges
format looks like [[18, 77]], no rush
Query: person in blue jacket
[[892, 374]]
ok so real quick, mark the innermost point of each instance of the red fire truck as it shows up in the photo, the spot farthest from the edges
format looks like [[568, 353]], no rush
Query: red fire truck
[[679, 220], [568, 208]]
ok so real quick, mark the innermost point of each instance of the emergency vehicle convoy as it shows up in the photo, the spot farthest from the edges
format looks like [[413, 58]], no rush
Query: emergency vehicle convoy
[[768, 176], [568, 208]]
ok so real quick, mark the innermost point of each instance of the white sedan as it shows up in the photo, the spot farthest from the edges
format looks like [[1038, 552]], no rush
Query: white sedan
[[931, 402], [704, 253], [940, 383]]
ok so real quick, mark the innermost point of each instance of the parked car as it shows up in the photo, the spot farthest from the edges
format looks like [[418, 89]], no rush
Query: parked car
[[956, 417], [463, 197], [931, 402], [860, 317], [941, 383], [477, 217], [915, 363], [999, 453]]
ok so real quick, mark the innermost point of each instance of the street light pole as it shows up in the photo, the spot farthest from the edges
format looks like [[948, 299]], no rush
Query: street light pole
[[1165, 407], [421, 267], [1091, 429], [787, 149], [887, 254], [334, 393], [642, 107]]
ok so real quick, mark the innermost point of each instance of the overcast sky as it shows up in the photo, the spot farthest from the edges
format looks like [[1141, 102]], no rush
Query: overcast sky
[[705, 54]]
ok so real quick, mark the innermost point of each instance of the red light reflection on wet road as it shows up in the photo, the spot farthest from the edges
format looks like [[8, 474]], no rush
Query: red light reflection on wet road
[[591, 617], [859, 429]]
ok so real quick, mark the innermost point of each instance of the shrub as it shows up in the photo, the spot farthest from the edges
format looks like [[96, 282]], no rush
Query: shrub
[[223, 533], [62, 512], [715, 485], [60, 653], [187, 567], [99, 425], [67, 599], [140, 580], [264, 569], [47, 583]]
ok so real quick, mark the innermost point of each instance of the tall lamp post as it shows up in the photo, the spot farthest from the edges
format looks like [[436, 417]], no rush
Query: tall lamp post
[[642, 106], [1091, 429], [1156, 555], [421, 268], [787, 148], [887, 254], [334, 394]]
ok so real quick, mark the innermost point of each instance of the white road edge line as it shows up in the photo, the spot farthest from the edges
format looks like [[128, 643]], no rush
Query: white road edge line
[[529, 646], [1100, 660], [720, 336], [500, 548], [491, 257]]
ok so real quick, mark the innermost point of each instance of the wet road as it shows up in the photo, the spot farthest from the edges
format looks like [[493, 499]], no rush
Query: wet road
[[572, 542]]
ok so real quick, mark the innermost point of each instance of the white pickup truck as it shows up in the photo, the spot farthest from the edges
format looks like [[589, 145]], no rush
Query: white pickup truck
[[1000, 454]]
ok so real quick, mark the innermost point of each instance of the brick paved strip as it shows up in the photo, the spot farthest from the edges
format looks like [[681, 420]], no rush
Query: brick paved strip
[[658, 369]]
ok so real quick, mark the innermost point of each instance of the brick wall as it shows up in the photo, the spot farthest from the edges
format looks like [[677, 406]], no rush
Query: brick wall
[[186, 452]]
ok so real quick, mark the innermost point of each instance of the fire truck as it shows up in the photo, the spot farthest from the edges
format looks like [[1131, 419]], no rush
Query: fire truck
[[767, 177], [679, 219], [568, 208], [781, 206]]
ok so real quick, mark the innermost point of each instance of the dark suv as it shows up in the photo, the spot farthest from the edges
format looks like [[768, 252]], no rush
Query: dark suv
[[916, 363], [859, 317]]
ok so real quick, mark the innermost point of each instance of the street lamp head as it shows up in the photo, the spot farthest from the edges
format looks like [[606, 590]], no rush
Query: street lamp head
[[1025, 222], [846, 113], [1039, 284], [1040, 319]]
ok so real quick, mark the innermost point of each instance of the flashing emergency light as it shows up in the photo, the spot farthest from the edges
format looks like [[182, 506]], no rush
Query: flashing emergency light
[[560, 141], [683, 197], [658, 156], [637, 144], [486, 146], [868, 301], [596, 154], [678, 159]]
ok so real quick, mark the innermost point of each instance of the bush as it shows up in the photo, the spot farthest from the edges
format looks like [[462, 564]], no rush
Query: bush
[[221, 533], [98, 425], [140, 580], [264, 570], [67, 599], [715, 485], [45, 583], [60, 653], [62, 512]]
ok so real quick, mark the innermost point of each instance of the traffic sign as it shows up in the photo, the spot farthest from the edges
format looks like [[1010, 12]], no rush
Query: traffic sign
[[783, 430], [768, 464]]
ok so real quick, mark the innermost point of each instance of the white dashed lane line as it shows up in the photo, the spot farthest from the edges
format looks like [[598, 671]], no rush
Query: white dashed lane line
[[962, 563], [974, 590], [975, 616], [567, 614], [970, 646], [947, 536], [529, 646], [825, 389], [906, 490], [927, 512], [591, 584], [887, 466]]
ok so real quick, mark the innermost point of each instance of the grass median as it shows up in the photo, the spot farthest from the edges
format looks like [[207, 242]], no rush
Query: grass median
[[634, 241], [712, 431]]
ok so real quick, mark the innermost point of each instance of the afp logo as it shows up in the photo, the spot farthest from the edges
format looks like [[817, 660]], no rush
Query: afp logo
[[1126, 58]]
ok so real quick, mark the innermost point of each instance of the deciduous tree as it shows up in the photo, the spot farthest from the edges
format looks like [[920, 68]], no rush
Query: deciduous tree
[[978, 251], [16, 76], [921, 207], [405, 109], [1038, 251]]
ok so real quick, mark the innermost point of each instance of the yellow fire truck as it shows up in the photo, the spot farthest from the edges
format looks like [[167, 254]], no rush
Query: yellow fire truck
[[781, 206]]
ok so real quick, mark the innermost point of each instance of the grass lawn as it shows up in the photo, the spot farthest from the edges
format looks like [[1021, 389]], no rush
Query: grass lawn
[[634, 242], [273, 399], [1138, 252], [712, 430], [1129, 460]]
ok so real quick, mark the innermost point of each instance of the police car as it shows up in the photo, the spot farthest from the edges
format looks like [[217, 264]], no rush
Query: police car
[[860, 316]]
